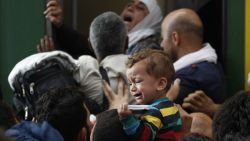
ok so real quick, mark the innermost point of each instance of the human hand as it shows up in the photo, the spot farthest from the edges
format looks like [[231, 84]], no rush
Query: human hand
[[114, 99], [123, 111], [54, 12], [201, 124], [186, 120], [46, 44], [174, 90], [200, 102]]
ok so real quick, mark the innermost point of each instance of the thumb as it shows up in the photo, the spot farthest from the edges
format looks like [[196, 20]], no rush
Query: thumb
[[174, 90]]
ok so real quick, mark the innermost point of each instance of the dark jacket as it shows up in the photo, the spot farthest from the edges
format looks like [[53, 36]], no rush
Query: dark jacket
[[30, 131], [204, 76]]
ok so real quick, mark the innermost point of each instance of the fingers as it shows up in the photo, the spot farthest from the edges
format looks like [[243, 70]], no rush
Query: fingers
[[190, 106], [107, 90], [195, 101], [174, 90], [125, 91], [120, 86], [181, 110], [120, 109], [123, 111], [53, 3], [51, 44], [201, 94], [184, 115], [176, 85], [42, 45], [186, 120], [54, 12], [38, 48], [54, 16], [124, 107], [192, 101], [46, 44]]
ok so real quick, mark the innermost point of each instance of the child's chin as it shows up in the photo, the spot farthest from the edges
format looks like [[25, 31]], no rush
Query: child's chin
[[140, 102]]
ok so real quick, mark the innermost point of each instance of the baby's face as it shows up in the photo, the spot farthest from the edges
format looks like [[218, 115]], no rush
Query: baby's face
[[143, 87], [133, 13]]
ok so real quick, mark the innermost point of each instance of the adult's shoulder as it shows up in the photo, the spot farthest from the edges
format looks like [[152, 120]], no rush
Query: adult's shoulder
[[152, 41], [205, 69]]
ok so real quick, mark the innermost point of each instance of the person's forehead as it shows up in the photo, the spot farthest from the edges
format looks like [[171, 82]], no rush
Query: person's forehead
[[138, 67], [139, 3]]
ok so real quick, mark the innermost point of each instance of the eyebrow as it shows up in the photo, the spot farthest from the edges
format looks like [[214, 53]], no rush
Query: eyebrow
[[142, 4]]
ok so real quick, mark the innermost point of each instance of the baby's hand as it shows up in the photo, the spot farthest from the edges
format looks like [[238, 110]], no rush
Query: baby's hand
[[123, 111]]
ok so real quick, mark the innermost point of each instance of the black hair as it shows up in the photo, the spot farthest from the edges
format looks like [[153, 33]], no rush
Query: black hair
[[64, 110], [108, 127], [233, 117], [195, 137], [235, 137], [7, 117]]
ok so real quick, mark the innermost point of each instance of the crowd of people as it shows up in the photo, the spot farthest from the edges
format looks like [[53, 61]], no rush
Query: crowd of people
[[141, 77]]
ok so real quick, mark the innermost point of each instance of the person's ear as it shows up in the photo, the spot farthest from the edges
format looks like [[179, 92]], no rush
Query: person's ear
[[162, 84], [175, 36]]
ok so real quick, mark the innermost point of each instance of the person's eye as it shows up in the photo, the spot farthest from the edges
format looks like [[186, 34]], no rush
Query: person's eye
[[141, 7], [129, 4], [138, 81]]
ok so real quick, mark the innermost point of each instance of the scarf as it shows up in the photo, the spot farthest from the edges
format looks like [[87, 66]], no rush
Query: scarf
[[149, 25], [206, 53]]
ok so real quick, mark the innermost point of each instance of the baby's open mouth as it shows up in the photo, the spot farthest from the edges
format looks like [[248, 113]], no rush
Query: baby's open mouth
[[138, 95]]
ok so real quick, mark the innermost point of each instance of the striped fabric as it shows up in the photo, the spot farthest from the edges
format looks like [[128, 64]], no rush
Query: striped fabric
[[160, 124]]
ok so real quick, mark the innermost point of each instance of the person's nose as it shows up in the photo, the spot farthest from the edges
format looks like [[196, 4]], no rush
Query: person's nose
[[131, 7], [133, 87]]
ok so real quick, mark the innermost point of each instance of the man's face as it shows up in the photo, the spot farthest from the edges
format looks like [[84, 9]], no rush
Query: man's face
[[143, 87], [133, 13], [166, 42]]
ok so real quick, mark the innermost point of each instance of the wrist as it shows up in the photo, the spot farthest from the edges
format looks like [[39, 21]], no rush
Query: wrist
[[214, 109], [127, 121]]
